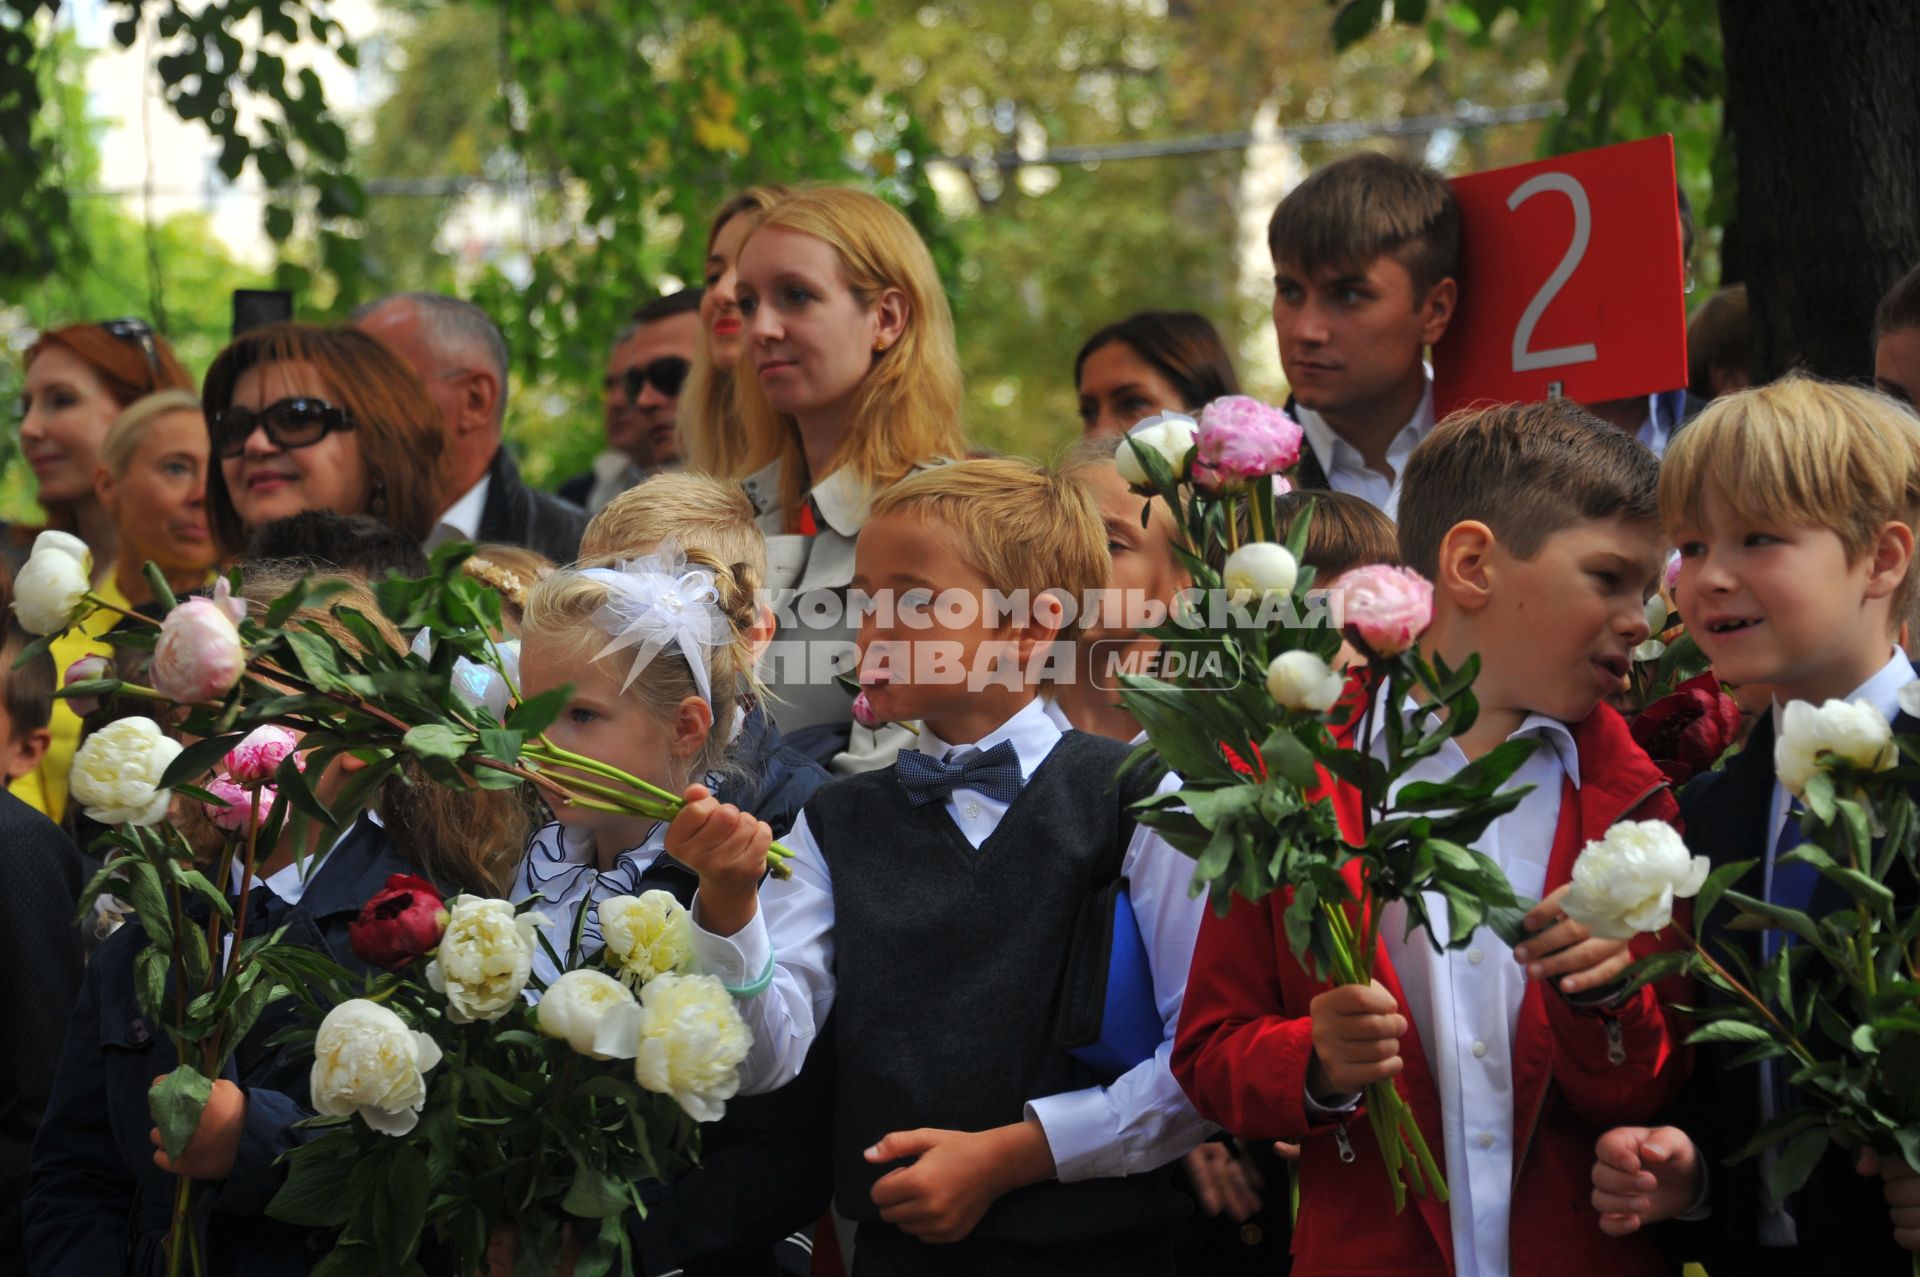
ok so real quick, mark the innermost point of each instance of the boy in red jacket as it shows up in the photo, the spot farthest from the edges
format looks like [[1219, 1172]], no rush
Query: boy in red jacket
[[1538, 527]]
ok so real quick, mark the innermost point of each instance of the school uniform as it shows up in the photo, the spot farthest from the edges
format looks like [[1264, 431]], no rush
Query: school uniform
[[1510, 1081], [931, 910], [763, 1175], [1839, 1221], [97, 1204]]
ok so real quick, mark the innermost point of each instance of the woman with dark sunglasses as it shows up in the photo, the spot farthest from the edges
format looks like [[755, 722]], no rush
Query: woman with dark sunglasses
[[309, 418], [78, 380]]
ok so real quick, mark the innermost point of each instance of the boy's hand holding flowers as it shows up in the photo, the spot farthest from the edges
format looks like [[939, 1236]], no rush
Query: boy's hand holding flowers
[[1642, 1176], [1356, 1039], [728, 849], [1561, 948], [956, 1176], [215, 1145]]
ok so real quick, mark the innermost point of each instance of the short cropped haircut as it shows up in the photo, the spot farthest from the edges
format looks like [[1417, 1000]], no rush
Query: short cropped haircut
[[1800, 452], [1347, 532], [1366, 206], [1527, 471], [1720, 335], [1022, 526], [694, 511], [1180, 345], [322, 541], [1900, 308], [454, 329], [28, 689], [684, 302], [129, 429]]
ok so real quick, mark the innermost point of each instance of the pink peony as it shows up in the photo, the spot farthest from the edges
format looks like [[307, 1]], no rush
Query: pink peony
[[1385, 608], [259, 755], [199, 656], [84, 670], [1672, 578], [1242, 439], [235, 809]]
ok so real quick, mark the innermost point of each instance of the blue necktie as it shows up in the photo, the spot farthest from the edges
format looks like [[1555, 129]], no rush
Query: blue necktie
[[1792, 883], [994, 773]]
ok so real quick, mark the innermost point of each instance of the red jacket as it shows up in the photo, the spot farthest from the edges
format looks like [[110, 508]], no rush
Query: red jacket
[[1245, 1041]]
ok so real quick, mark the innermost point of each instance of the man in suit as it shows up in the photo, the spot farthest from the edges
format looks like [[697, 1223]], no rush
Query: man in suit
[[649, 365], [461, 356]]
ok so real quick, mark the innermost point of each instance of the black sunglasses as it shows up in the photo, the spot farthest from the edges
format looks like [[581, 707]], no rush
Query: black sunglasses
[[135, 332], [299, 422], [667, 373]]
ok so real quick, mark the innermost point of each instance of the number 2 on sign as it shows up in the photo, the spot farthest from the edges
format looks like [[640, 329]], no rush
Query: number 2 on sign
[[1525, 359]]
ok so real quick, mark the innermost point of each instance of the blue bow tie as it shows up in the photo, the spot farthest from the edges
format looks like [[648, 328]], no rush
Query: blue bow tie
[[994, 773]]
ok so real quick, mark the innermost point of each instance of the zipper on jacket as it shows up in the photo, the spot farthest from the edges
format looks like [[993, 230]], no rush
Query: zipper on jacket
[[1616, 1044], [1346, 1145]]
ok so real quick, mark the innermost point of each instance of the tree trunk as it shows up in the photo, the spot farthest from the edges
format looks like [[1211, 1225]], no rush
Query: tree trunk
[[1823, 101]]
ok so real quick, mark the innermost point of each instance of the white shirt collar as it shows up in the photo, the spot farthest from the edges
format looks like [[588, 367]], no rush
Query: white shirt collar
[[461, 522], [1557, 735], [1882, 690], [289, 882], [1032, 731], [1347, 470]]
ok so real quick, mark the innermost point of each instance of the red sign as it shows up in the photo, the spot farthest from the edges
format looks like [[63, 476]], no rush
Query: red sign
[[1571, 281]]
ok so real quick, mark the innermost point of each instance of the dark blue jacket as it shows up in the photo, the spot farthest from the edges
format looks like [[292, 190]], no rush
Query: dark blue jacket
[[1841, 1220], [780, 779], [98, 1205]]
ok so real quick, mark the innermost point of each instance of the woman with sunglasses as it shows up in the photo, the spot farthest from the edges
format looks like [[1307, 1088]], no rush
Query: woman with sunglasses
[[78, 380], [310, 418]]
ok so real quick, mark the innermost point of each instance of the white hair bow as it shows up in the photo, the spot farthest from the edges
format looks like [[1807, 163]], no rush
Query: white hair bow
[[655, 601]]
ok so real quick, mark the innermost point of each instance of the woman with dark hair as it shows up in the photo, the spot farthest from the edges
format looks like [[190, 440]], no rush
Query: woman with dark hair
[[80, 378], [308, 418], [1155, 361]]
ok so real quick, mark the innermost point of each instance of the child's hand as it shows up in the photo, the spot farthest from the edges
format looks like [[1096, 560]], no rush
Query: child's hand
[[727, 847], [1565, 948], [955, 1176], [1356, 1038], [1902, 1190], [216, 1141], [1224, 1181], [1642, 1176]]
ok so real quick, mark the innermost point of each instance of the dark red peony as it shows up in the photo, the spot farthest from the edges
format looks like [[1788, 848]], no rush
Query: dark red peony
[[1686, 732], [400, 924]]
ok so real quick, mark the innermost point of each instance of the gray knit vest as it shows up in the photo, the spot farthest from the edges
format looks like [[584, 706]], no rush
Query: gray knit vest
[[948, 964]]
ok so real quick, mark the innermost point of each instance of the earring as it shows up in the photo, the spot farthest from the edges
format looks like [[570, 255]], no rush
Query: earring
[[880, 347]]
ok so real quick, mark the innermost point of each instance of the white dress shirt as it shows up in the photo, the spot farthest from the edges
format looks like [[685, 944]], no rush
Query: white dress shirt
[[1348, 471], [461, 522], [1466, 1002], [1139, 1121]]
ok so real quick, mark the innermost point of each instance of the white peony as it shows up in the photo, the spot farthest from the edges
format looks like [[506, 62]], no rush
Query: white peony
[[1626, 882], [52, 583], [367, 1061], [1301, 680], [1855, 733], [686, 1039], [116, 773], [484, 958], [1259, 570], [647, 935], [1171, 434], [1658, 613], [574, 1006]]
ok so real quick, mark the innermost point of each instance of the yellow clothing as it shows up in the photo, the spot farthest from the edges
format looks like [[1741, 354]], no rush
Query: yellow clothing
[[45, 788]]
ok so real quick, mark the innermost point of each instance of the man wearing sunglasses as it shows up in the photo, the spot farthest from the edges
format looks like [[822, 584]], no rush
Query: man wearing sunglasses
[[649, 365], [461, 356]]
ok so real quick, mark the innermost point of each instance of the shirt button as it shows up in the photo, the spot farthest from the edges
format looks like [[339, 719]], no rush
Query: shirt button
[[1474, 956], [1486, 1139], [973, 811], [1479, 1050]]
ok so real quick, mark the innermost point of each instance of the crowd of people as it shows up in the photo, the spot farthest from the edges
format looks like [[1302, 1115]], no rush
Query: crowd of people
[[791, 429]]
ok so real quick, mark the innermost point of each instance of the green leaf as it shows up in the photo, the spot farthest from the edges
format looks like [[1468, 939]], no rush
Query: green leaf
[[197, 759], [1738, 1031], [149, 900], [176, 1101], [435, 740], [594, 1195], [1788, 1172], [1716, 886], [400, 1211], [319, 1175]]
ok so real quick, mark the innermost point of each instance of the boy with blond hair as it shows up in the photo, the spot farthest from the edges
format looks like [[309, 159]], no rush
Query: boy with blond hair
[[933, 906], [1537, 527], [1794, 507]]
